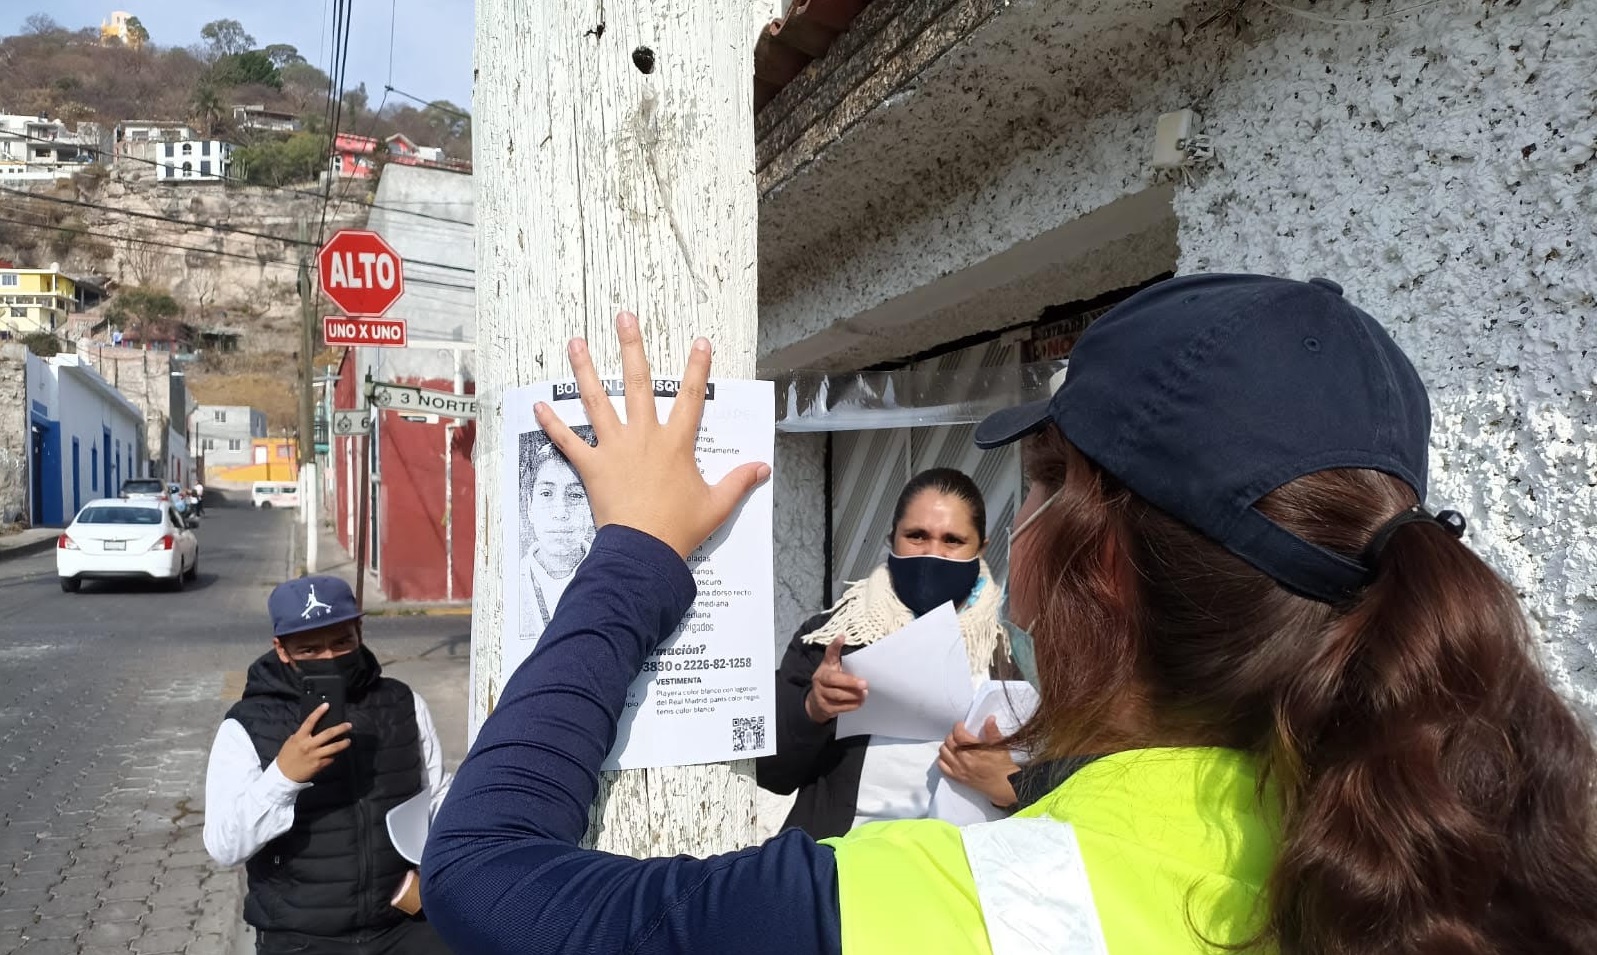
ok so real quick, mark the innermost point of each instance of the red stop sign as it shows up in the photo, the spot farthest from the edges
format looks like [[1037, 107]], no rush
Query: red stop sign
[[360, 272]]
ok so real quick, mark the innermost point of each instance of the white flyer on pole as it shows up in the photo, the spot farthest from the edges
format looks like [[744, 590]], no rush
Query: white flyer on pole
[[918, 680], [707, 694]]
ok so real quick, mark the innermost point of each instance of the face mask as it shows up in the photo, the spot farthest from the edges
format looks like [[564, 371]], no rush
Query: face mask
[[925, 583], [1022, 646], [353, 668]]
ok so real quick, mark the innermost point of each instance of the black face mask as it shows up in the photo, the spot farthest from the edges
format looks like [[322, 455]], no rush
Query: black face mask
[[925, 583], [354, 668]]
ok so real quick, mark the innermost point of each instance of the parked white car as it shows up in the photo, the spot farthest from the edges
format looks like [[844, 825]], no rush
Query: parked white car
[[127, 539]]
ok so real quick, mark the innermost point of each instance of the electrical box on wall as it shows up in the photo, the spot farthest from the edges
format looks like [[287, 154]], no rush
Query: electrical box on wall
[[1171, 137]]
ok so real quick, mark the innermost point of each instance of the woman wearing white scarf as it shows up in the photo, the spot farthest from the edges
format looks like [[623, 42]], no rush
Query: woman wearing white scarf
[[936, 542]]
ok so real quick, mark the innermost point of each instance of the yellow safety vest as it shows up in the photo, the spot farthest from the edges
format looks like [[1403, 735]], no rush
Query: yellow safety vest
[[1145, 852]]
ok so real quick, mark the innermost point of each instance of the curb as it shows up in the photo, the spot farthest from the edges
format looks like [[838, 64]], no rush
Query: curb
[[464, 611], [24, 550]]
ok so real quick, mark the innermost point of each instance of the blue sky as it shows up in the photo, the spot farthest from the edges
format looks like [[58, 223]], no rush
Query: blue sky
[[431, 50]]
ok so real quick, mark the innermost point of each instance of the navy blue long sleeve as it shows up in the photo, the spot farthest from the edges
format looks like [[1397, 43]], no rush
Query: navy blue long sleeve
[[503, 873]]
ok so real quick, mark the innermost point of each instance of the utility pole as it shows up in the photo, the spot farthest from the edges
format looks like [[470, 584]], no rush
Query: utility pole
[[627, 182], [307, 402]]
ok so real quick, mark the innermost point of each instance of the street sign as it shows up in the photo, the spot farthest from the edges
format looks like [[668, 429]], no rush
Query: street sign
[[352, 422], [364, 332], [422, 400], [361, 272]]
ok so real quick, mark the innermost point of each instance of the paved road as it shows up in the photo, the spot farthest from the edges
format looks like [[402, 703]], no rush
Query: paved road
[[108, 703]]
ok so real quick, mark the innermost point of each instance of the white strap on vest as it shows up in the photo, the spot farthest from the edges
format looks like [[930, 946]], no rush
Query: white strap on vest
[[1032, 883]]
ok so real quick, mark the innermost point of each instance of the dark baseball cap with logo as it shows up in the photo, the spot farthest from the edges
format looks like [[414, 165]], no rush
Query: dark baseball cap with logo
[[1204, 393], [310, 603]]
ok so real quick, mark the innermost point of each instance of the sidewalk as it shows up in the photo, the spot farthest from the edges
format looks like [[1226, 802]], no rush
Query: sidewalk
[[29, 541], [332, 559]]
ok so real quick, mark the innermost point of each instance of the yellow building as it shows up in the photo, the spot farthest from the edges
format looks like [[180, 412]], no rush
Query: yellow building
[[35, 300], [123, 28], [273, 459]]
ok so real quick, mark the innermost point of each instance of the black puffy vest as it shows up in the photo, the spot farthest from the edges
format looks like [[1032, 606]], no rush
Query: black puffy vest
[[334, 872]]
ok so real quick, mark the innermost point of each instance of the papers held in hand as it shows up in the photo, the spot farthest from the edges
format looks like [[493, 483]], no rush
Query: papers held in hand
[[1011, 703], [918, 677], [408, 823]]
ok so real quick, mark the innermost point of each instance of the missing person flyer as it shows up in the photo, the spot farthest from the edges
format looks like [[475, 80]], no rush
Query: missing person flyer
[[707, 694]]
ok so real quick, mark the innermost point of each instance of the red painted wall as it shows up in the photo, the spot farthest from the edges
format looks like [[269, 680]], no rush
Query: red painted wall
[[411, 505], [411, 563]]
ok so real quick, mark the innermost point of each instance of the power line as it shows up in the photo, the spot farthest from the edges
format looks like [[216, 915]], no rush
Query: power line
[[393, 19], [232, 230], [426, 283], [224, 177], [430, 104]]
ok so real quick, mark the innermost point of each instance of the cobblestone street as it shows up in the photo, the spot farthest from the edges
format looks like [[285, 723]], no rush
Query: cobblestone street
[[109, 700]]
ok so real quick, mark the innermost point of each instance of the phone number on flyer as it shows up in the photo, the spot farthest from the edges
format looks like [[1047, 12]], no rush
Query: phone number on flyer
[[683, 666]]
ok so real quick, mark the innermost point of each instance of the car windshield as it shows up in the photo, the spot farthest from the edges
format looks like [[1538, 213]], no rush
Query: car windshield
[[141, 487], [120, 515]]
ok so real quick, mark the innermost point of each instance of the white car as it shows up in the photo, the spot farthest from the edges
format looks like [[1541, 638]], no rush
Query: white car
[[127, 539]]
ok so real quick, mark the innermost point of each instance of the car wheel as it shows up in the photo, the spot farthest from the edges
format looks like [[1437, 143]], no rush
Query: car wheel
[[176, 583], [194, 569], [265, 505], [71, 585]]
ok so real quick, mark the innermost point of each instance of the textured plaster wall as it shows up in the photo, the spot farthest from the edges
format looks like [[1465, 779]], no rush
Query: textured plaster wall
[[1438, 163], [1030, 124], [14, 435], [800, 517], [1441, 168]]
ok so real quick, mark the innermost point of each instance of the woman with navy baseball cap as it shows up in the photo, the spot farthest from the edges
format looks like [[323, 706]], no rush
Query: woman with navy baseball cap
[[1294, 712]]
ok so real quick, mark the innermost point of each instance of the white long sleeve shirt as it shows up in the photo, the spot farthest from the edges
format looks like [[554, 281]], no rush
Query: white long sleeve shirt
[[247, 806]]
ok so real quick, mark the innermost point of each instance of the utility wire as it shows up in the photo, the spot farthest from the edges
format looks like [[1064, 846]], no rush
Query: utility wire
[[306, 193], [231, 230], [428, 283], [430, 104]]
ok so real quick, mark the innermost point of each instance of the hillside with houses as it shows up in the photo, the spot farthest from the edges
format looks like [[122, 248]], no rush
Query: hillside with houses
[[156, 196]]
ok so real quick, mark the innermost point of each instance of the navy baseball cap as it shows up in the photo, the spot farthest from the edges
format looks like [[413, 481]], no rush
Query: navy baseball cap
[[1204, 393], [309, 603]]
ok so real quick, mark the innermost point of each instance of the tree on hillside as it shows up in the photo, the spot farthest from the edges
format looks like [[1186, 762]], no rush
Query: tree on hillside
[[250, 68], [447, 120], [205, 109], [138, 36], [283, 54], [148, 312], [41, 24], [226, 38], [300, 158], [44, 344]]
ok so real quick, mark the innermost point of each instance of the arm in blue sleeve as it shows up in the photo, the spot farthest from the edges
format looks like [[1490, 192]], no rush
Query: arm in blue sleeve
[[503, 872]]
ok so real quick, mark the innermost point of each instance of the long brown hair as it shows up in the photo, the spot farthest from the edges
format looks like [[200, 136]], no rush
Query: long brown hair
[[1436, 794]]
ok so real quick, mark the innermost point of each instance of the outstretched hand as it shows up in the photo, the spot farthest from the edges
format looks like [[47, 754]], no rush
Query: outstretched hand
[[643, 473]]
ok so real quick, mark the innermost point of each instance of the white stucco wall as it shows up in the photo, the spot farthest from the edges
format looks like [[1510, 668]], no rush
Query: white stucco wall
[[87, 408], [800, 518], [1440, 167]]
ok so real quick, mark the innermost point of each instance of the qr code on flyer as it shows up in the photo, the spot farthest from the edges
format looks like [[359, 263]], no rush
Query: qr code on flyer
[[748, 733]]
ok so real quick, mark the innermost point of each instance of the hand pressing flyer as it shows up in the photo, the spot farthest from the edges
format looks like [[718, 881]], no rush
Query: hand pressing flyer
[[707, 694]]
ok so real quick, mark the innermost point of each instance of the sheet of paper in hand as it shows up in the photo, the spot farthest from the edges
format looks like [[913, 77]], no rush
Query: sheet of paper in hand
[[918, 680], [1012, 702], [707, 694]]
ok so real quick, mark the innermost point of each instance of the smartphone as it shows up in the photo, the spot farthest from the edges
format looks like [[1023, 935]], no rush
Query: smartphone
[[324, 689]]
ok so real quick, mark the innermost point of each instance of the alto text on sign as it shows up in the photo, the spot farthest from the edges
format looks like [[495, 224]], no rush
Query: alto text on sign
[[361, 272], [364, 332]]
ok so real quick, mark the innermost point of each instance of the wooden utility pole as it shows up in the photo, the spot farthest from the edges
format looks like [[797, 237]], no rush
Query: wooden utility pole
[[615, 170], [307, 407]]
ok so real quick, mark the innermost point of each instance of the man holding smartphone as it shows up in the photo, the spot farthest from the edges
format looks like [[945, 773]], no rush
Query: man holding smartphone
[[302, 775]]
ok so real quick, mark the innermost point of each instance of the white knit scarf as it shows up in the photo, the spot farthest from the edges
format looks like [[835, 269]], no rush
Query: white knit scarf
[[869, 610]]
